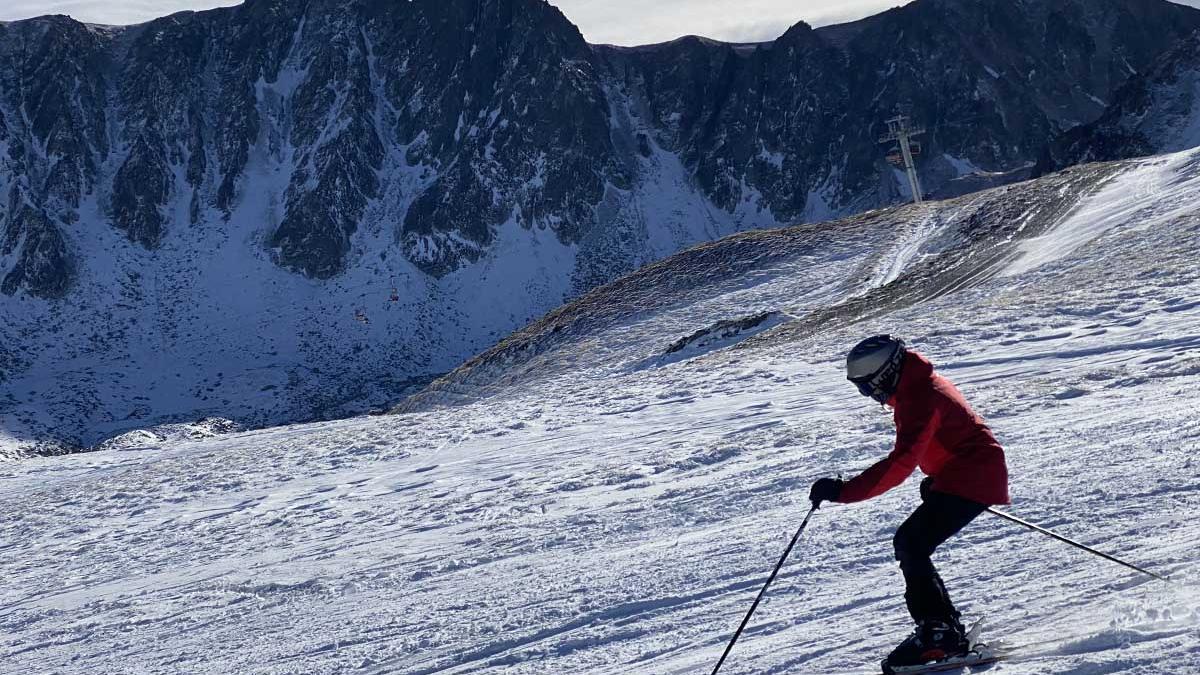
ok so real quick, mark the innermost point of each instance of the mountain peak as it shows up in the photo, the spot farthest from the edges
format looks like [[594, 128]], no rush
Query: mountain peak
[[364, 192]]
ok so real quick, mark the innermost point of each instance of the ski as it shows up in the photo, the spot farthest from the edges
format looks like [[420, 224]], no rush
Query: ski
[[957, 663], [979, 654]]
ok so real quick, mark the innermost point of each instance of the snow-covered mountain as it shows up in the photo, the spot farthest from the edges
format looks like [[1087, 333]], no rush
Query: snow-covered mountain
[[299, 210], [827, 275], [612, 485], [1154, 113]]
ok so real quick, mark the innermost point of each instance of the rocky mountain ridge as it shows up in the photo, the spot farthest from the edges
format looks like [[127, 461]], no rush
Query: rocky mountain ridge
[[442, 113], [295, 210], [1156, 113]]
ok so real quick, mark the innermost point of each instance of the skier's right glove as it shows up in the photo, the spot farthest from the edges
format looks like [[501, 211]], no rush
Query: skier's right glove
[[825, 490]]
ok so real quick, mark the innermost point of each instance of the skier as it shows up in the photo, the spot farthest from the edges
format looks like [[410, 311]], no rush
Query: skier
[[937, 431]]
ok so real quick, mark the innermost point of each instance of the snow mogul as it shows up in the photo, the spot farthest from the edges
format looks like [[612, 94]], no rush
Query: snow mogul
[[937, 431]]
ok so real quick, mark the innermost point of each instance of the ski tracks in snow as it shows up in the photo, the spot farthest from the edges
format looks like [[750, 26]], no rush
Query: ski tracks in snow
[[622, 522]]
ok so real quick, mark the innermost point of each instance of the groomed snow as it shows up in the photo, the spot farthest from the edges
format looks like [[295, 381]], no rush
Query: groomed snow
[[620, 521], [1148, 197]]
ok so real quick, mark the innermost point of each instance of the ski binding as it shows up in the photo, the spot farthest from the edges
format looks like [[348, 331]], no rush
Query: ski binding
[[978, 654]]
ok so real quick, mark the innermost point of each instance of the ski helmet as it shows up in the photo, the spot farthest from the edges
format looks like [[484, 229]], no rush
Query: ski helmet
[[874, 366]]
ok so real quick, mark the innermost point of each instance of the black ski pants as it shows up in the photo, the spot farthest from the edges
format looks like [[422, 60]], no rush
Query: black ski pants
[[939, 517]]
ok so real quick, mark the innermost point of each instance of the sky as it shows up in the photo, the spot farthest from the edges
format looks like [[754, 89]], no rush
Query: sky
[[622, 22]]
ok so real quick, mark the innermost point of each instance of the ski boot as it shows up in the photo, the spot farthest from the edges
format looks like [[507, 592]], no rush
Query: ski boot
[[933, 640]]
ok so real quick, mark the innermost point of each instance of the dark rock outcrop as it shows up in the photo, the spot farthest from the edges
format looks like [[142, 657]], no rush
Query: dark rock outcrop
[[1157, 112], [299, 209], [451, 118]]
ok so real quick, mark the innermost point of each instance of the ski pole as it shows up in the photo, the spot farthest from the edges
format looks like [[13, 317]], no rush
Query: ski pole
[[771, 578], [1076, 544]]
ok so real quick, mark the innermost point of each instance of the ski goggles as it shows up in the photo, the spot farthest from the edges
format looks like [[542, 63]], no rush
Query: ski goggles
[[865, 385], [878, 385]]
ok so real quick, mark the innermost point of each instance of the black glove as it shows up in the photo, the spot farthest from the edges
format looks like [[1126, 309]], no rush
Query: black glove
[[825, 490], [926, 485]]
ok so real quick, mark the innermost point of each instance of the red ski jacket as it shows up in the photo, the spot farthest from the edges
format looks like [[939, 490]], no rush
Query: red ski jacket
[[937, 431]]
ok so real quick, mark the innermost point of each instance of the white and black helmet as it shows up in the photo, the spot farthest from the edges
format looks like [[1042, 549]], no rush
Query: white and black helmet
[[874, 366]]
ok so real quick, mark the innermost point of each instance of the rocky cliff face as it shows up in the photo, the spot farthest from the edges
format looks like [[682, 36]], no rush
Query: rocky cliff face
[[53, 138], [240, 185], [504, 112], [496, 104], [1156, 112], [797, 120]]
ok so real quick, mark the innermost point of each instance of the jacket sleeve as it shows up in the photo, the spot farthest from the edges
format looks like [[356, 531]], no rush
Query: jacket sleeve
[[913, 433]]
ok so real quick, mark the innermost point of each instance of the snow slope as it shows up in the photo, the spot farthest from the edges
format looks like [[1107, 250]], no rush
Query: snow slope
[[208, 325], [449, 170], [604, 508], [174, 304]]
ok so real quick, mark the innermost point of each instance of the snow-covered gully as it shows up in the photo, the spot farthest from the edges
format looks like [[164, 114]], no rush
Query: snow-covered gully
[[600, 511]]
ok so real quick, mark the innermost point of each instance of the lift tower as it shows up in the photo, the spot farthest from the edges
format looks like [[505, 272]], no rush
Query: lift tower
[[901, 131]]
